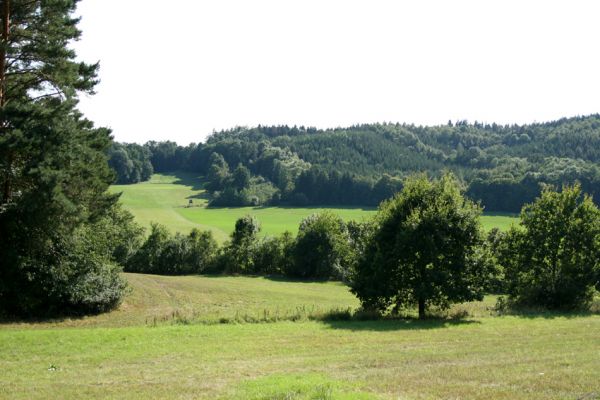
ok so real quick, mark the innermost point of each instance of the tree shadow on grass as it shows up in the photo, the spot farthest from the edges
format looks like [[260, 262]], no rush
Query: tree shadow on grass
[[548, 314], [386, 325], [47, 320], [202, 195], [187, 179]]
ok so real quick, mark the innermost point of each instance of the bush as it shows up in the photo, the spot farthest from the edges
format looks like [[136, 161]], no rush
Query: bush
[[74, 272], [322, 248], [230, 197], [163, 253], [553, 259], [273, 255], [237, 256], [495, 247]]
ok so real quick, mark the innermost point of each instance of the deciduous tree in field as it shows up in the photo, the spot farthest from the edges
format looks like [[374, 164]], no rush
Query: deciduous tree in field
[[553, 259], [425, 249]]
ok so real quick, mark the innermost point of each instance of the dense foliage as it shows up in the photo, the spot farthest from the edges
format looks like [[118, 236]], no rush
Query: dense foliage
[[553, 259], [322, 248], [501, 166], [58, 225], [163, 253], [425, 250], [131, 162]]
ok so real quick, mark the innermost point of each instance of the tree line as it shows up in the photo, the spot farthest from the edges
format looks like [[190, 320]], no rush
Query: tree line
[[503, 167], [424, 248]]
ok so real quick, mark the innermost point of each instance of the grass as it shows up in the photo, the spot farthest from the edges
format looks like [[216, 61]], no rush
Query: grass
[[502, 221], [164, 199], [121, 355], [156, 299]]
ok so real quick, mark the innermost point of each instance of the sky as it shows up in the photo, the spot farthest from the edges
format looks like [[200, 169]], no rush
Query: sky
[[181, 69]]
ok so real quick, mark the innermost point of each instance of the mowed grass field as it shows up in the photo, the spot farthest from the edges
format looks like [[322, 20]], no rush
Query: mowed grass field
[[164, 199], [126, 354]]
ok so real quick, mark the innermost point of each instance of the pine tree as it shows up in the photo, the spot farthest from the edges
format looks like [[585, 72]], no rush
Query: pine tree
[[53, 168]]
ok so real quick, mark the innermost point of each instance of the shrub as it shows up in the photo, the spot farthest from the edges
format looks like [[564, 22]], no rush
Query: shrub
[[495, 247], [237, 256], [553, 259], [77, 274], [273, 255], [230, 197], [163, 253], [322, 248]]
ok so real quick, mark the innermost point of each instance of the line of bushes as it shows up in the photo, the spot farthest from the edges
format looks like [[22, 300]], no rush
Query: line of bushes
[[321, 250], [425, 247]]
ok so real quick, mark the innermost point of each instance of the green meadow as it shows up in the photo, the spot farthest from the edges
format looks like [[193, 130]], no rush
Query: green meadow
[[170, 339], [165, 199]]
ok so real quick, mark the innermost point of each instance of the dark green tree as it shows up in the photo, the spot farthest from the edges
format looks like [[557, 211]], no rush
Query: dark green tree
[[425, 249], [53, 168], [166, 254], [237, 256], [553, 259], [148, 258], [218, 172], [241, 177], [273, 255], [322, 248], [131, 162], [120, 162]]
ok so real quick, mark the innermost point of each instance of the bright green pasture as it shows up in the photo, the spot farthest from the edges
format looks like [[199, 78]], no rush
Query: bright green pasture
[[164, 199], [273, 220], [121, 355], [502, 221]]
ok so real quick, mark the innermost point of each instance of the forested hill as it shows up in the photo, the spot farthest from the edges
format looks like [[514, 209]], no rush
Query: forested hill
[[503, 166]]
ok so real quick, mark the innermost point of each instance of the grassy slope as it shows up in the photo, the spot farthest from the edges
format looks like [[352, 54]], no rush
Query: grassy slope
[[540, 357], [208, 298], [164, 198]]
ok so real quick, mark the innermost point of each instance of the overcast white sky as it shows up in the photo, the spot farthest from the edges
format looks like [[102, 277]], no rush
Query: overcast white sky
[[178, 69]]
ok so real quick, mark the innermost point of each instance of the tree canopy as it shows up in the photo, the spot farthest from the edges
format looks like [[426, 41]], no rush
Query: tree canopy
[[503, 166], [425, 249], [54, 173], [553, 259]]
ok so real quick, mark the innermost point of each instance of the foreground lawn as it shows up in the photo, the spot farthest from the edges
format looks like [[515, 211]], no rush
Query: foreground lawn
[[132, 354], [164, 198], [500, 358]]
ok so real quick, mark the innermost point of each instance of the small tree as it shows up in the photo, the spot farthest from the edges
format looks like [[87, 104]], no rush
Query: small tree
[[238, 255], [553, 260], [148, 257], [241, 177], [322, 248], [202, 250], [273, 255], [424, 250], [218, 172]]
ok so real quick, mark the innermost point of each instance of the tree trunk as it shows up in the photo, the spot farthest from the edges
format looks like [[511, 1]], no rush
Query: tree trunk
[[5, 17], [5, 32], [421, 308]]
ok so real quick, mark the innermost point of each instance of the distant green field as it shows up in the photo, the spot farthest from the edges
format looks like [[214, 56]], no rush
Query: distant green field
[[125, 355], [164, 199]]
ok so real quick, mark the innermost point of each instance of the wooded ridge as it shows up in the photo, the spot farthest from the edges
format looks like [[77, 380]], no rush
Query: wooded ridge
[[503, 166]]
